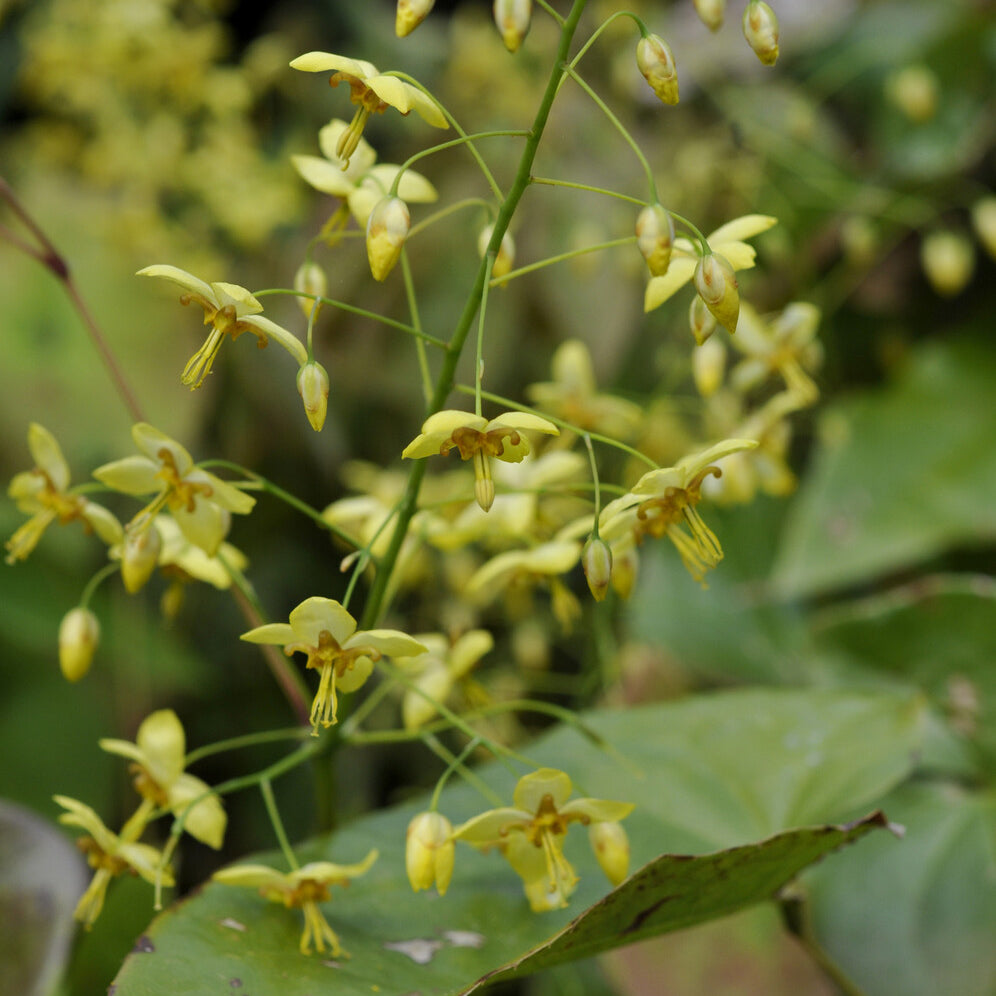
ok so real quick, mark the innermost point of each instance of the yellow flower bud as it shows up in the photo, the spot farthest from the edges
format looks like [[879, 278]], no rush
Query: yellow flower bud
[[387, 229], [310, 279], [701, 320], [139, 555], [79, 634], [914, 90], [625, 564], [761, 31], [411, 13], [711, 13], [505, 259], [429, 852], [655, 237], [512, 18], [716, 284], [708, 367], [656, 62], [313, 386], [984, 222], [596, 561], [611, 846], [948, 259]]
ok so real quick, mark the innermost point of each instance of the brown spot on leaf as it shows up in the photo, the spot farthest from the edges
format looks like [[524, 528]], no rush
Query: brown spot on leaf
[[144, 945]]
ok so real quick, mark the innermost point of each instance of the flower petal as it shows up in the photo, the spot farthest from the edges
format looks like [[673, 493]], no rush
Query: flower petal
[[177, 276], [329, 873], [596, 810], [206, 821], [134, 475], [163, 744], [390, 642], [493, 827], [355, 676], [320, 62], [254, 877], [360, 161], [323, 175], [280, 633], [741, 228], [153, 443], [206, 526], [48, 456], [316, 614], [240, 297], [103, 523], [531, 789], [222, 493], [280, 335], [659, 289]]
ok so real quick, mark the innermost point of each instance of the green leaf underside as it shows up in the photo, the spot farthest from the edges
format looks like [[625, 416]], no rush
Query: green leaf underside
[[672, 756]]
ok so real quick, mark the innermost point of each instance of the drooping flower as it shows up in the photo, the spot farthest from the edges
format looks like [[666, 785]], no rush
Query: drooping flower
[[200, 502], [479, 440], [410, 14], [429, 852], [436, 671], [79, 634], [727, 241], [716, 284], [655, 61], [343, 656], [761, 31], [512, 18], [158, 757], [230, 310], [663, 503], [531, 833], [387, 229], [361, 182], [372, 92], [303, 889], [109, 855], [43, 493]]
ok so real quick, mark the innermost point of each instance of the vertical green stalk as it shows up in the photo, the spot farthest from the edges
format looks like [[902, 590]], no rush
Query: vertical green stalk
[[447, 373]]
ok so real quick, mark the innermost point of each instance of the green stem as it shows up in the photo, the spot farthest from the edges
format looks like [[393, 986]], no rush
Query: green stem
[[562, 423], [455, 763], [595, 480], [266, 789], [423, 360], [463, 140], [551, 182], [620, 127], [91, 586], [556, 16], [447, 373], [246, 740], [489, 261], [353, 310], [560, 257], [598, 31]]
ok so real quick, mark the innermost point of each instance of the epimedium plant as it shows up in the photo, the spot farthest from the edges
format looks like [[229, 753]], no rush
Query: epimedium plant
[[561, 484]]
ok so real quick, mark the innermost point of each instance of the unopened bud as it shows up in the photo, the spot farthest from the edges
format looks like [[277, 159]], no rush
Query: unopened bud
[[310, 279], [611, 846], [948, 259], [625, 566], [505, 259], [596, 561], [484, 485], [656, 62], [387, 229], [914, 90], [708, 367], [711, 13], [701, 320], [429, 852], [655, 237], [139, 555], [79, 634], [984, 222], [512, 18], [411, 13], [761, 31], [313, 386], [716, 284]]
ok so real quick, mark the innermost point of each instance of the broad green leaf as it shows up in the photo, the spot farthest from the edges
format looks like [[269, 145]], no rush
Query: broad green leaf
[[937, 633], [41, 878], [707, 774], [899, 476], [918, 919]]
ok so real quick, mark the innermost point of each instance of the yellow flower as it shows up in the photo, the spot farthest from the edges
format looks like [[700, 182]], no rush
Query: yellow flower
[[109, 855], [303, 889], [159, 760], [727, 241], [387, 229], [437, 670], [655, 60], [573, 395], [512, 18], [479, 440], [343, 656], [664, 501], [230, 310], [361, 182], [716, 284], [785, 344], [372, 91], [531, 834], [761, 31], [43, 493], [410, 14], [200, 502], [429, 852]]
